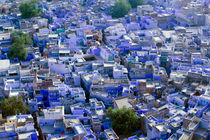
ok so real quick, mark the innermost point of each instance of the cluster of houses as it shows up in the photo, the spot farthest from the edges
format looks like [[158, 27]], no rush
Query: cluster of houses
[[155, 61]]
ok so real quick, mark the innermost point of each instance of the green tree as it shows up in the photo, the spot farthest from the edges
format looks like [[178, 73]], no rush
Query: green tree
[[135, 3], [29, 9], [124, 121], [25, 38], [18, 48], [120, 8], [13, 105]]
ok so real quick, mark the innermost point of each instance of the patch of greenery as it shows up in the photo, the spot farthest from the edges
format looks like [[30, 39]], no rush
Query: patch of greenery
[[13, 106], [120, 8], [18, 48], [124, 121], [29, 9], [135, 3]]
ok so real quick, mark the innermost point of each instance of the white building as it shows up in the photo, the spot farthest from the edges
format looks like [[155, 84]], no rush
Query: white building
[[144, 9], [54, 113], [43, 22], [120, 72], [78, 94], [115, 32], [208, 20], [4, 64], [106, 53], [4, 36], [58, 66], [23, 123]]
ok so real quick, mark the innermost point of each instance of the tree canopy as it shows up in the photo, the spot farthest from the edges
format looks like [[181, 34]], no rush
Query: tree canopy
[[18, 48], [13, 105], [25, 38], [124, 121], [120, 8], [135, 3], [29, 9]]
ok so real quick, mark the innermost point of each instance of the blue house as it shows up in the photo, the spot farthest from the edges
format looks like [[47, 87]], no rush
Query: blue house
[[33, 106], [40, 40], [89, 137], [5, 38]]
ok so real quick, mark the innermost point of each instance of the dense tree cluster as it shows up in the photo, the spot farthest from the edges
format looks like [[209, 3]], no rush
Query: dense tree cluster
[[18, 48], [123, 7], [135, 3], [13, 105], [120, 8], [124, 121], [29, 9]]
